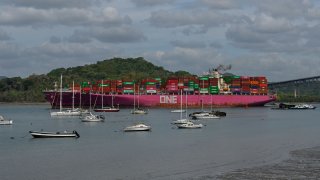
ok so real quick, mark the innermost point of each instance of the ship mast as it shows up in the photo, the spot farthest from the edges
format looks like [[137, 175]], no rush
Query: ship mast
[[61, 93]]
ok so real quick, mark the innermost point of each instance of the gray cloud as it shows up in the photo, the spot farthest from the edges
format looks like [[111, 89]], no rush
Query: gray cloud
[[283, 8], [225, 4], [54, 39], [188, 44], [8, 51], [216, 45], [185, 59], [79, 37], [4, 36], [118, 35], [257, 37], [171, 19], [124, 34], [48, 4], [151, 2], [21, 16]]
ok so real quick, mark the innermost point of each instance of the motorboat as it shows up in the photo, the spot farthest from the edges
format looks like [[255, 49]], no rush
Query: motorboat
[[139, 111], [4, 121], [303, 106], [203, 115], [180, 121], [138, 127], [63, 134], [92, 118], [288, 106], [189, 125]]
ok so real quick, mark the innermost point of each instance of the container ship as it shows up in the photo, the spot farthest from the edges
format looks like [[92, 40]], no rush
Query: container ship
[[209, 90]]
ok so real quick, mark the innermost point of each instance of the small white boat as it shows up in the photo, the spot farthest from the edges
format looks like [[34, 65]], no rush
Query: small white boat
[[189, 125], [138, 127], [4, 121], [64, 134], [303, 106], [107, 109], [66, 113], [178, 111], [139, 111], [204, 115], [181, 121], [92, 118]]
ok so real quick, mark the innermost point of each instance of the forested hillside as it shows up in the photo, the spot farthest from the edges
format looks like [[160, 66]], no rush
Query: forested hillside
[[30, 89]]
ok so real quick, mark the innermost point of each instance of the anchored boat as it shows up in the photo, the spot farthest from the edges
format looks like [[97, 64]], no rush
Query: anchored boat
[[63, 134]]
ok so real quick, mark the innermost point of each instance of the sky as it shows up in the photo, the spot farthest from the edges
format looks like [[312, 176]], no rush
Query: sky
[[277, 39]]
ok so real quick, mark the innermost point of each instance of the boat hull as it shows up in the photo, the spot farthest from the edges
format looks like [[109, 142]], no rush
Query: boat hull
[[107, 110], [157, 100], [6, 122], [36, 134], [137, 129]]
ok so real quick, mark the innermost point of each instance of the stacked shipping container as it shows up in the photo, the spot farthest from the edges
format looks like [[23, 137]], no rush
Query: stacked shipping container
[[173, 85]]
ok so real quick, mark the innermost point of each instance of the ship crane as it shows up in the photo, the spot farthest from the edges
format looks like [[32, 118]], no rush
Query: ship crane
[[217, 73]]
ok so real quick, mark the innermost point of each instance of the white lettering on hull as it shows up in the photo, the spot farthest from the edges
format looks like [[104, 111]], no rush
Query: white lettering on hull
[[168, 99]]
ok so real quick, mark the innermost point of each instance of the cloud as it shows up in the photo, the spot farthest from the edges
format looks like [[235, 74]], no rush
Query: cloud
[[125, 34], [47, 56], [275, 66], [193, 60], [151, 2], [267, 24], [8, 51], [172, 19], [256, 37], [49, 4], [290, 9], [224, 4], [188, 44], [263, 33], [216, 45], [79, 37], [54, 39], [4, 36], [27, 16]]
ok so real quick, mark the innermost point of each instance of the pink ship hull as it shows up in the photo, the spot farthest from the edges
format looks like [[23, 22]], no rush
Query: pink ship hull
[[157, 100]]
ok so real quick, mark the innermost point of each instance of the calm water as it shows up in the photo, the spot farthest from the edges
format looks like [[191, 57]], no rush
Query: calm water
[[247, 137]]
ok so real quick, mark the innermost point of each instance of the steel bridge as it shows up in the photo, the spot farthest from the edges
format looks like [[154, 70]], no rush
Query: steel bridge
[[273, 85], [296, 84]]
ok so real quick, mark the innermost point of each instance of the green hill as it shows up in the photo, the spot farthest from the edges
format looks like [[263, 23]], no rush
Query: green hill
[[30, 89]]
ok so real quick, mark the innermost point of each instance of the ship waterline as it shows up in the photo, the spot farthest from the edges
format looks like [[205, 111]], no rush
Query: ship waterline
[[157, 100]]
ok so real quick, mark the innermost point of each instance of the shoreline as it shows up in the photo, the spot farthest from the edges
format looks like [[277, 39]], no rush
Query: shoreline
[[301, 164]]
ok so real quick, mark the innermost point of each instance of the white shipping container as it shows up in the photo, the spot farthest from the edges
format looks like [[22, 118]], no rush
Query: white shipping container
[[152, 91]]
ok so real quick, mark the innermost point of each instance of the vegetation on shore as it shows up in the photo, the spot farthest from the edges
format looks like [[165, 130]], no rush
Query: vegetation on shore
[[30, 89]]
